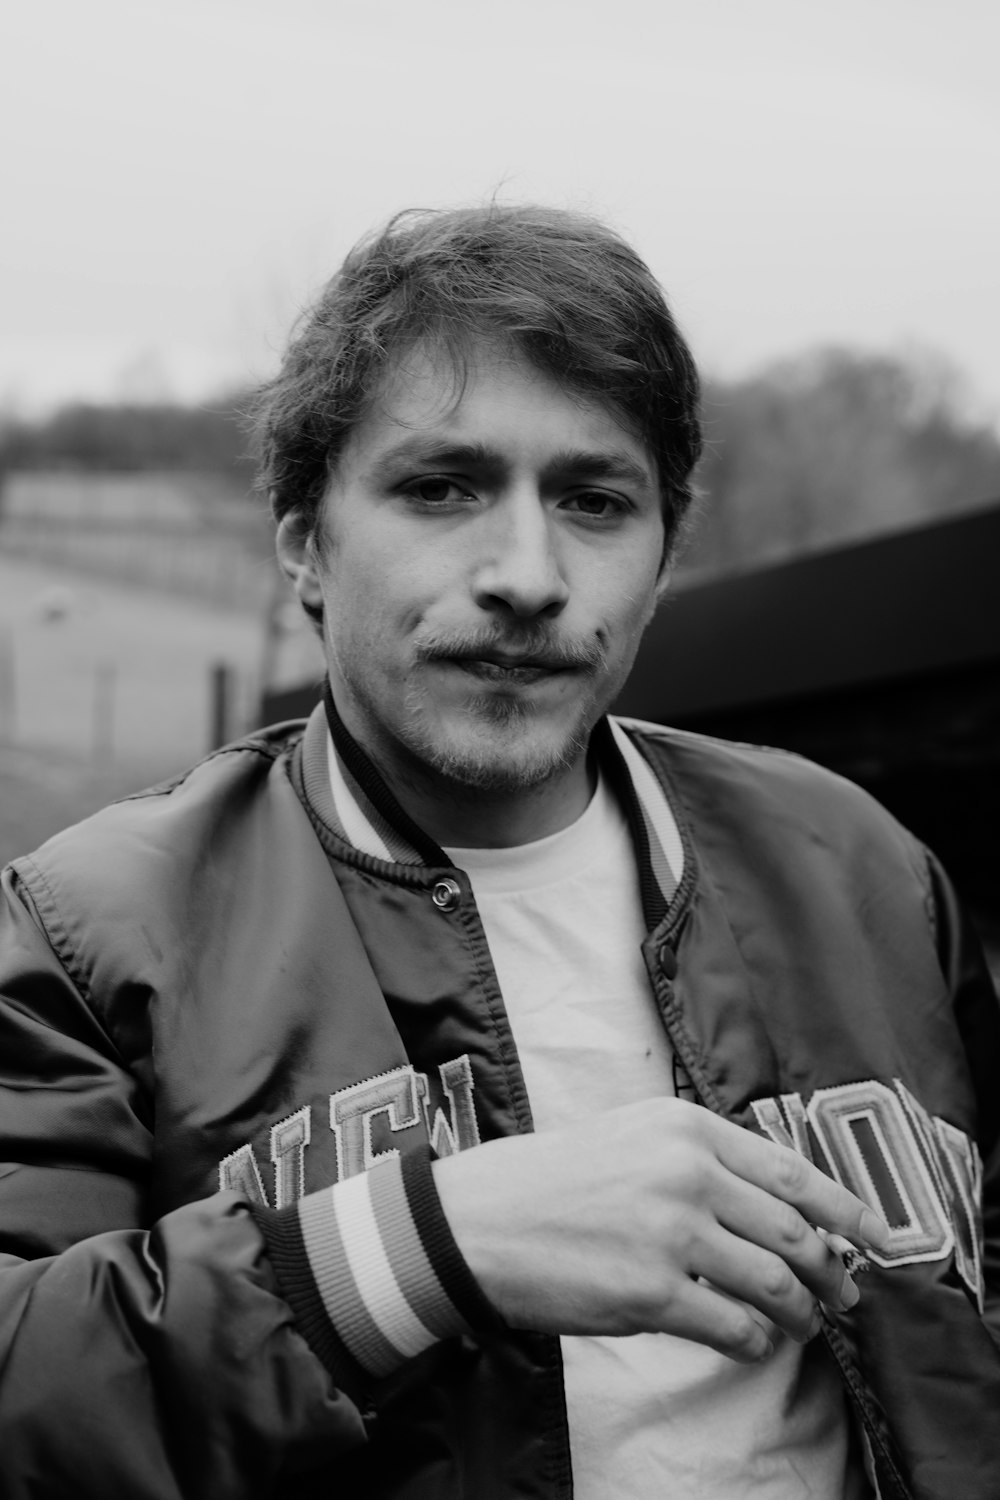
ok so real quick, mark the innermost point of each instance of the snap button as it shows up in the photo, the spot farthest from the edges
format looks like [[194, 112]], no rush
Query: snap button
[[668, 960], [445, 894]]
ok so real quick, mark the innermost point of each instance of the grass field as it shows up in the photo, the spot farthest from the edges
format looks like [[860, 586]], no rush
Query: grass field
[[104, 688]]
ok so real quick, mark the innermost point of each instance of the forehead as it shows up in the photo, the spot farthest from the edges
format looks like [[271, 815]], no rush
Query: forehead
[[493, 397]]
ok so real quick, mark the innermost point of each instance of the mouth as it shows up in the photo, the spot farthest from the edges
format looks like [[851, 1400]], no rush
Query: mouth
[[509, 670]]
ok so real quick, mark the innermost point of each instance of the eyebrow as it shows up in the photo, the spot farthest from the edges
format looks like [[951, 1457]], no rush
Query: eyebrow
[[435, 453], [611, 463]]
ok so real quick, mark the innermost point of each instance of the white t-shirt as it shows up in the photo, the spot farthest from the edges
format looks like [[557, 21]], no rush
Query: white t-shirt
[[649, 1415]]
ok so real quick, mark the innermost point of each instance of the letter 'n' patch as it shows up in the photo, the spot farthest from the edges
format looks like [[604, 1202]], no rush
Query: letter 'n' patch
[[391, 1103]]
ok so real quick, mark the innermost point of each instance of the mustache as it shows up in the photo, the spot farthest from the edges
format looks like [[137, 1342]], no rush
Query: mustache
[[532, 646]]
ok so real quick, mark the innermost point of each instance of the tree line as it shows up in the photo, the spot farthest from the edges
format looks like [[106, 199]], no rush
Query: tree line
[[832, 446], [130, 438]]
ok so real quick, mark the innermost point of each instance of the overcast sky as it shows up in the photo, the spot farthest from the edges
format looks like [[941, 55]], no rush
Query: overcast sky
[[179, 175]]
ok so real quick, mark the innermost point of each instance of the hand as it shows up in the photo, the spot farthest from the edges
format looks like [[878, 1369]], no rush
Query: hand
[[615, 1225]]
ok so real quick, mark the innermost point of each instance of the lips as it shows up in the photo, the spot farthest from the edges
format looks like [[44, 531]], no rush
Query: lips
[[532, 658], [510, 671]]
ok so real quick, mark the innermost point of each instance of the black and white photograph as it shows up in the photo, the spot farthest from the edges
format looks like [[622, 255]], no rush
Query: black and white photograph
[[499, 751]]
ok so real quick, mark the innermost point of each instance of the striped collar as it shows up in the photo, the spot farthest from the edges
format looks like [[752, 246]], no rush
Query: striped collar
[[350, 796]]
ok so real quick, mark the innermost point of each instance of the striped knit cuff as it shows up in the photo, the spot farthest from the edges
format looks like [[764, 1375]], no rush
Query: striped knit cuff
[[371, 1270]]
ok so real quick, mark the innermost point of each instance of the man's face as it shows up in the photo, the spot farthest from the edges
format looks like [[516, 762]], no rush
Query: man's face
[[486, 568]]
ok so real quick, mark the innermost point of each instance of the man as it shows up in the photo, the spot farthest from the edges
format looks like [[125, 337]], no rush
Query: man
[[546, 1063]]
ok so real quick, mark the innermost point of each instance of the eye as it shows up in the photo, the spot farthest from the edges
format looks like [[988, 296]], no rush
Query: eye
[[599, 504], [437, 489]]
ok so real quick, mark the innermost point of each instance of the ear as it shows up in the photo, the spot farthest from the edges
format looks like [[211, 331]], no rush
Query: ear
[[297, 557]]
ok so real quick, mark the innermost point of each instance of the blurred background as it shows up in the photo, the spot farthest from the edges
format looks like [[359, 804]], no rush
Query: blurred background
[[815, 187]]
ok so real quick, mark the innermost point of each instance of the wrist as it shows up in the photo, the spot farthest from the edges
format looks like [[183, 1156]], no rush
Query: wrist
[[372, 1271]]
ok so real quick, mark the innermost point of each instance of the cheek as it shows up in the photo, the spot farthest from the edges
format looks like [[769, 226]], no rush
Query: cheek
[[349, 602], [631, 600], [374, 603]]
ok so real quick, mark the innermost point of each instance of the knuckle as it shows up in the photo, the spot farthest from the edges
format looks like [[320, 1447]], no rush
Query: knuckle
[[666, 1300], [675, 1225], [686, 1118], [685, 1173], [745, 1335], [778, 1281], [656, 1307], [685, 1176], [790, 1171], [652, 1110], [791, 1227]]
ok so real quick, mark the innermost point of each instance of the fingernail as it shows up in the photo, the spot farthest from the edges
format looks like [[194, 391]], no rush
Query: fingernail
[[816, 1324], [874, 1231], [849, 1294]]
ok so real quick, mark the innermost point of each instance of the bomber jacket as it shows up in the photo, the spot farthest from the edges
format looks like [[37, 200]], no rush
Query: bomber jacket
[[207, 985]]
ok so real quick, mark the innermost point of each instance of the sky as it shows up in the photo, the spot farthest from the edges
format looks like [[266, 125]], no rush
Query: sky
[[178, 177]]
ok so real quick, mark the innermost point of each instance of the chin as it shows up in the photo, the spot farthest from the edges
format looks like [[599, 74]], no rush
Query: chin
[[503, 751]]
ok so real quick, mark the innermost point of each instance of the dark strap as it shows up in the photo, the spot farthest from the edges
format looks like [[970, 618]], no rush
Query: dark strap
[[612, 762], [375, 789]]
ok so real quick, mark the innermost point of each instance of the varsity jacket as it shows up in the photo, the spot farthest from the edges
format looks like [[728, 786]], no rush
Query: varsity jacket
[[231, 1043]]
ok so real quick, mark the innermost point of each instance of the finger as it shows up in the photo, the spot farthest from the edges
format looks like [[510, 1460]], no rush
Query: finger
[[787, 1175], [702, 1313], [764, 1281], [769, 1225]]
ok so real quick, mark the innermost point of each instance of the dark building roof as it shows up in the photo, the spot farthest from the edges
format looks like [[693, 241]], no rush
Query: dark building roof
[[902, 606]]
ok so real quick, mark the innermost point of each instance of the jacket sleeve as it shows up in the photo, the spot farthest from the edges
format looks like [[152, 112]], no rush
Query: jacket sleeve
[[978, 1016], [156, 1361]]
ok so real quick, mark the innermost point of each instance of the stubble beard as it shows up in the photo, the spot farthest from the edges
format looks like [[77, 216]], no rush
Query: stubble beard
[[499, 741], [497, 754]]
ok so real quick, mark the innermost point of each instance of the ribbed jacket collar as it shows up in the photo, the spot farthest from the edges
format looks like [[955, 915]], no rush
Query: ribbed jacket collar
[[370, 820]]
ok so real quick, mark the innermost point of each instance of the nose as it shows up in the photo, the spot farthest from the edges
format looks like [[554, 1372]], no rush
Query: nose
[[520, 570]]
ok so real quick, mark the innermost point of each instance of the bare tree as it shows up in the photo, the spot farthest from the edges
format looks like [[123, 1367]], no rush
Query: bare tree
[[833, 446]]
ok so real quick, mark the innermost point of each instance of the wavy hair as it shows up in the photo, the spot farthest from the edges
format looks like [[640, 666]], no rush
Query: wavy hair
[[559, 287]]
